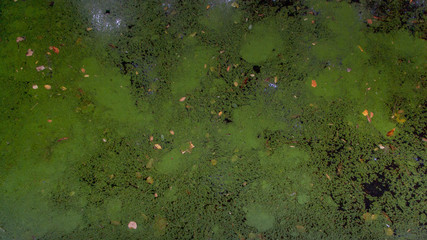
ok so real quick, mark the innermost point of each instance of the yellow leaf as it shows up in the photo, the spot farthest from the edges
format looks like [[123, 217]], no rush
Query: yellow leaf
[[149, 180], [365, 113], [389, 232]]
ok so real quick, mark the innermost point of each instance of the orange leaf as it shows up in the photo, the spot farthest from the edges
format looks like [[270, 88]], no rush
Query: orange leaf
[[391, 132], [313, 83], [365, 113], [55, 49]]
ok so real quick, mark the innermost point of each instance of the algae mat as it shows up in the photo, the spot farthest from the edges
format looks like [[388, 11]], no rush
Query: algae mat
[[213, 119]]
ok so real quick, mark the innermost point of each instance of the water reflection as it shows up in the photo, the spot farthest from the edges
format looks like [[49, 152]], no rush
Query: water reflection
[[103, 15], [103, 21]]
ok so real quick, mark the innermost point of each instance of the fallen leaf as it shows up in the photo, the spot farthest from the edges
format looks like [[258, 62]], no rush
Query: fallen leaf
[[55, 49], [399, 118], [149, 180], [62, 139], [48, 87], [365, 113], [389, 232], [132, 225], [313, 83], [157, 146], [182, 99], [40, 68], [29, 53], [20, 39], [391, 132]]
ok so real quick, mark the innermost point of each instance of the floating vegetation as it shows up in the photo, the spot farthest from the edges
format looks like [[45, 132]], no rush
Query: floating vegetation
[[213, 119]]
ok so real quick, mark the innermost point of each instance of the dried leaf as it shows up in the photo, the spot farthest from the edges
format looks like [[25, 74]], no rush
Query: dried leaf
[[20, 39], [149, 180], [29, 53], [391, 132], [55, 49], [313, 83], [365, 113], [40, 68]]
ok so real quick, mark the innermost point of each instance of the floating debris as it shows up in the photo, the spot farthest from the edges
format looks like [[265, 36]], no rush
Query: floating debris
[[132, 225], [29, 53], [40, 68], [20, 39], [313, 83]]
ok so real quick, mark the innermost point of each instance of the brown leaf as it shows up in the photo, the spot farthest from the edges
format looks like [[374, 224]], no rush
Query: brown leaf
[[391, 132]]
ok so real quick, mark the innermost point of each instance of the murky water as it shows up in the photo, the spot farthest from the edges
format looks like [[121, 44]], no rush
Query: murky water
[[212, 119]]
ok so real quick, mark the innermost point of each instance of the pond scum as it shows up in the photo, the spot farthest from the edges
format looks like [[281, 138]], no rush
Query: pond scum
[[213, 119]]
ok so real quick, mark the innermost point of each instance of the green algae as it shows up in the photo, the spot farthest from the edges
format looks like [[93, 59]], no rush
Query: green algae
[[254, 151], [259, 218], [262, 43], [191, 70]]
